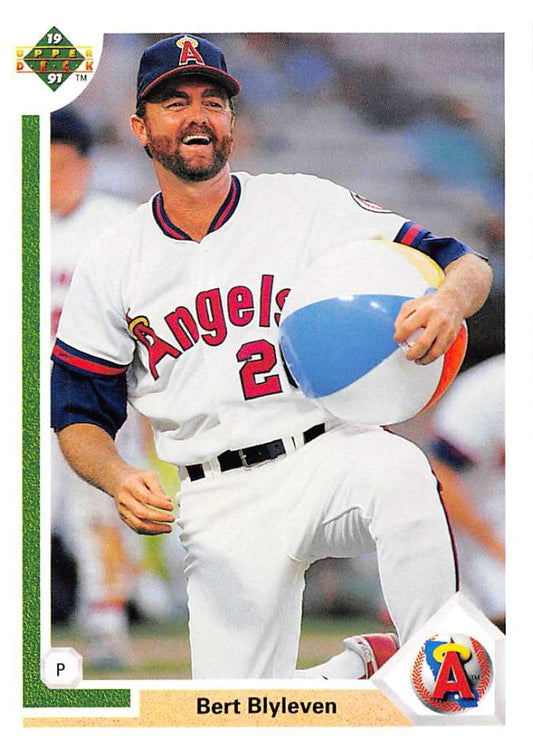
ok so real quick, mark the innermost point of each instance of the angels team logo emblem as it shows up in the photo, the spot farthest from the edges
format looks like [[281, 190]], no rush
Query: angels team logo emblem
[[189, 52], [451, 673]]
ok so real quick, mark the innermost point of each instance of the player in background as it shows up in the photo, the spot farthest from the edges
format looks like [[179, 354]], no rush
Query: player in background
[[82, 516], [178, 311], [468, 456]]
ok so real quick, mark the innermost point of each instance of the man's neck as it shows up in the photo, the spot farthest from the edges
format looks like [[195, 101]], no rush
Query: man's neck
[[191, 206]]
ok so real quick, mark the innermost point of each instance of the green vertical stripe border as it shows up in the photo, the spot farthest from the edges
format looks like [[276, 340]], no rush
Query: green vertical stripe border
[[35, 693]]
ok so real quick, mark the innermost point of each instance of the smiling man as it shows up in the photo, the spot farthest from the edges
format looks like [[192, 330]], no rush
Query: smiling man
[[186, 126], [177, 311], [194, 150]]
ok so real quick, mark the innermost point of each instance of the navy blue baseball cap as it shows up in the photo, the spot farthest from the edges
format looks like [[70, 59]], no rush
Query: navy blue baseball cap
[[183, 54]]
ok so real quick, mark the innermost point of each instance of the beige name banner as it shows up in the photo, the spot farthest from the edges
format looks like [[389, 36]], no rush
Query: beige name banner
[[247, 708]]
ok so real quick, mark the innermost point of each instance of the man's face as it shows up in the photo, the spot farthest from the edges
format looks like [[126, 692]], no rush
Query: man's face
[[188, 127]]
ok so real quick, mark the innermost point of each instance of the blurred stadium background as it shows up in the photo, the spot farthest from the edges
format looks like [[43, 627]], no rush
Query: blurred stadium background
[[414, 122]]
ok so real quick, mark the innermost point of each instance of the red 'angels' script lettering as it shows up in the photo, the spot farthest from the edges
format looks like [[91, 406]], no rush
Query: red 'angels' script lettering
[[183, 326], [156, 347], [240, 305], [208, 320], [211, 316]]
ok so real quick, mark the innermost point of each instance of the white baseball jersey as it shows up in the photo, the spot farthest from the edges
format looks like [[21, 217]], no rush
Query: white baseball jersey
[[196, 324]]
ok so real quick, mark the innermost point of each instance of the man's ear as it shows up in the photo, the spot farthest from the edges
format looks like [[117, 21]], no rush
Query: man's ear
[[138, 128]]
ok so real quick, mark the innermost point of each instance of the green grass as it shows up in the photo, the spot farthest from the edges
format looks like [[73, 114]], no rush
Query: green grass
[[161, 650], [336, 626]]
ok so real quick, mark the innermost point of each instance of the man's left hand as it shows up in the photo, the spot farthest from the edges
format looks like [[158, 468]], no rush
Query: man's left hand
[[437, 316]]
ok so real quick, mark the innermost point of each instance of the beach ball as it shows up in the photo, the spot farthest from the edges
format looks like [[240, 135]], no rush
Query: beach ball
[[337, 333]]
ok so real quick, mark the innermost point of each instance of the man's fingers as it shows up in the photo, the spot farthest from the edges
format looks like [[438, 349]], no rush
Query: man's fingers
[[143, 511], [146, 488], [143, 505], [428, 356], [427, 347], [152, 529], [145, 523], [146, 528], [420, 345], [408, 321], [152, 482], [426, 328]]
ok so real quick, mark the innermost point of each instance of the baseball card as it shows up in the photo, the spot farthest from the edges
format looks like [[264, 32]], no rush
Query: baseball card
[[272, 380]]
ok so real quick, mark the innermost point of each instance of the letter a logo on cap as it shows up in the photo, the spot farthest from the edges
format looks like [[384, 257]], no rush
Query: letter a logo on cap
[[189, 53]]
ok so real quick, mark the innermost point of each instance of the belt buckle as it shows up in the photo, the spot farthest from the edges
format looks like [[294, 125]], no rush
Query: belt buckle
[[242, 456]]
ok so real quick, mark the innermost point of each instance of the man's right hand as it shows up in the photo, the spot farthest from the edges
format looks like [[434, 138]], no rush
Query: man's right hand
[[142, 504]]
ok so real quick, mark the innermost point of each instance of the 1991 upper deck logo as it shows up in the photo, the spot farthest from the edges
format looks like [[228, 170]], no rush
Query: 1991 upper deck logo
[[451, 673], [55, 59]]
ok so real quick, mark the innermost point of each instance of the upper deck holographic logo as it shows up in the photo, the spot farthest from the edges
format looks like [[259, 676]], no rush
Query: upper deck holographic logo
[[54, 59]]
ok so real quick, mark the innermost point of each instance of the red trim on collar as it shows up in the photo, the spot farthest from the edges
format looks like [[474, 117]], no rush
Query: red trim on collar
[[228, 206], [164, 222]]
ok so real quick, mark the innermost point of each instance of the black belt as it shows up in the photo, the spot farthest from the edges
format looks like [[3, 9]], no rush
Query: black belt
[[249, 456]]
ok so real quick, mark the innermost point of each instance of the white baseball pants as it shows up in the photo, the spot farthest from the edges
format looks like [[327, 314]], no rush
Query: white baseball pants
[[250, 535]]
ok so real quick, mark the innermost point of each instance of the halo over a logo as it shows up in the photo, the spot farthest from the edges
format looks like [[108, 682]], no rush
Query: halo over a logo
[[451, 673], [189, 52]]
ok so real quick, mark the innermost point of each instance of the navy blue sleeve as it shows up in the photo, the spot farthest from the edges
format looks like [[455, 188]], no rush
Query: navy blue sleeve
[[443, 250], [80, 398]]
